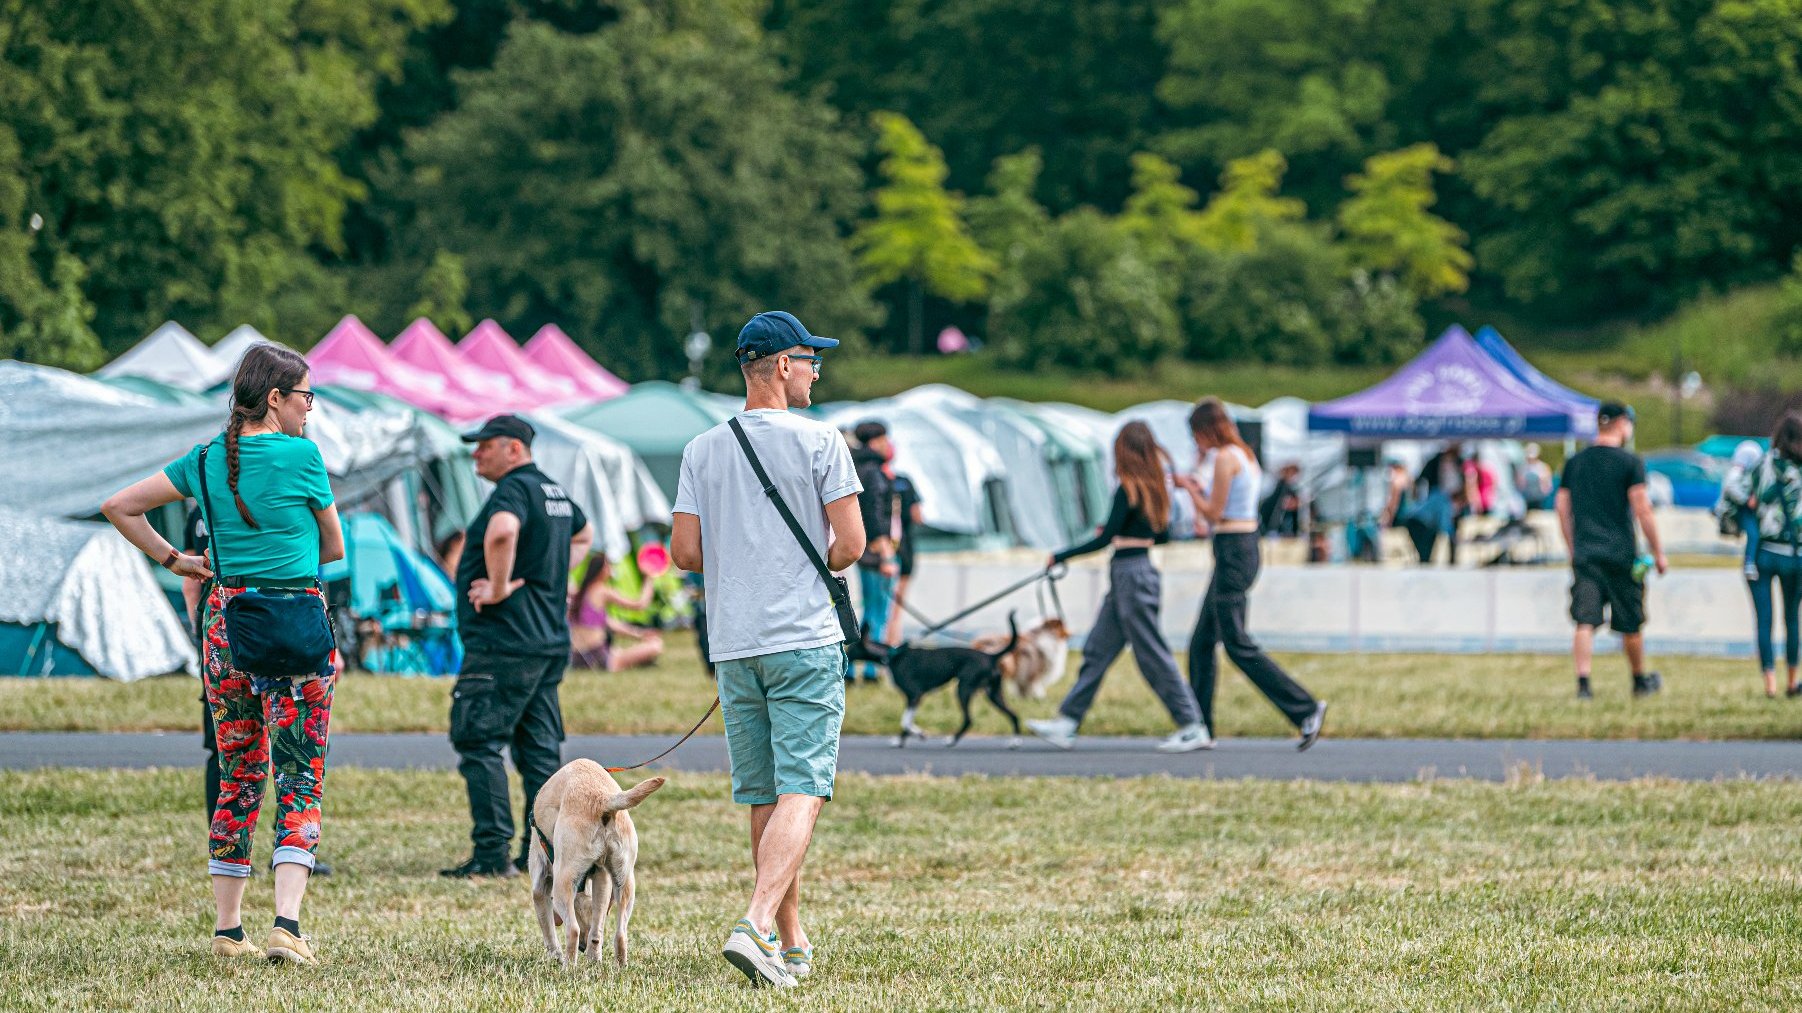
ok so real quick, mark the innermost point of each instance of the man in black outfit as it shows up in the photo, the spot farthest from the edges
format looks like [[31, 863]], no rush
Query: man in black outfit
[[877, 570], [1602, 493], [513, 615]]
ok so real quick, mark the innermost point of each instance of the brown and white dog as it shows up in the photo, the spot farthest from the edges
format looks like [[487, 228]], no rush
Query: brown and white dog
[[1037, 662], [584, 849]]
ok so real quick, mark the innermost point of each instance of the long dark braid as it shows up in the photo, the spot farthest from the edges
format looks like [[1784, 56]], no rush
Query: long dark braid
[[264, 368]]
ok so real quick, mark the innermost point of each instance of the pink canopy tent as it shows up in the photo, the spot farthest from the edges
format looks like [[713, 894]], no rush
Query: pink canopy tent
[[553, 351], [489, 348], [423, 345], [352, 356]]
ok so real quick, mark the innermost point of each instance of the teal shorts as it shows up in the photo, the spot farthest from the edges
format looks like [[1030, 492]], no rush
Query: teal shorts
[[783, 713]]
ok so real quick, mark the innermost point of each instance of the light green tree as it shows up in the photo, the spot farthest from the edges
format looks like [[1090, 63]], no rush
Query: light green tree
[[918, 235], [1388, 226], [1247, 204], [1161, 212]]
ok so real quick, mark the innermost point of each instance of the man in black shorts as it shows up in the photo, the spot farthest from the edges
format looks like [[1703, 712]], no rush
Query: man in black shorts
[[1602, 494], [513, 616]]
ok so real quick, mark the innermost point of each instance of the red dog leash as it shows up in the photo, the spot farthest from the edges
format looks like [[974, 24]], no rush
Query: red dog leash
[[685, 738]]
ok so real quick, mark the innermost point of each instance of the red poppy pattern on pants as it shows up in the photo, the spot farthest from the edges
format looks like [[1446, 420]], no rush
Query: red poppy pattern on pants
[[286, 729]]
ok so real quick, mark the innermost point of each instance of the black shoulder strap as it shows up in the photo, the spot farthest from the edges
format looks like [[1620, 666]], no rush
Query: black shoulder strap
[[769, 489], [206, 513]]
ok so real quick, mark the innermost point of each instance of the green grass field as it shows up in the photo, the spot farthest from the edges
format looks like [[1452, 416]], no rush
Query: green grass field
[[1382, 696], [928, 894]]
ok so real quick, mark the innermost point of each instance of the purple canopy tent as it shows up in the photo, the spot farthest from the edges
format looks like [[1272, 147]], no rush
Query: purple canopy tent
[[551, 349], [490, 348], [1452, 391], [351, 356], [1583, 407]]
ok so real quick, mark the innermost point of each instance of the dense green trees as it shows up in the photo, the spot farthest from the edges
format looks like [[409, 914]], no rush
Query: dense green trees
[[1092, 183]]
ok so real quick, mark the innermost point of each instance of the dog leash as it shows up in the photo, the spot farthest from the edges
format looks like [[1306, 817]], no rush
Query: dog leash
[[691, 734], [1050, 574]]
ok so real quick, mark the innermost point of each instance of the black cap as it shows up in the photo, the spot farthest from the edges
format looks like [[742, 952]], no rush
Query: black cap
[[503, 425], [1611, 410], [870, 430], [776, 331]]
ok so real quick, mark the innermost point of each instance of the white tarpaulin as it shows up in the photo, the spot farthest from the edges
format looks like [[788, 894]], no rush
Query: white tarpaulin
[[173, 356], [604, 477], [950, 464], [97, 589]]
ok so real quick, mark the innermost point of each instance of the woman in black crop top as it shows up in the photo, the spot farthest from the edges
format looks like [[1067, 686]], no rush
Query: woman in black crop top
[[1139, 519]]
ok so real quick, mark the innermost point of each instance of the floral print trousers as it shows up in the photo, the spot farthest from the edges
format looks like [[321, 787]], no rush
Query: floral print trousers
[[288, 725]]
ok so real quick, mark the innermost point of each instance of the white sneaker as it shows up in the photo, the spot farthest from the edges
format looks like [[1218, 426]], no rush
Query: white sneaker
[[1187, 739], [1060, 731], [798, 960], [1310, 728], [755, 954]]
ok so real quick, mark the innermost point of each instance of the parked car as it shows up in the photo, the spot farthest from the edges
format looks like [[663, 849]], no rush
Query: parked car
[[1695, 478]]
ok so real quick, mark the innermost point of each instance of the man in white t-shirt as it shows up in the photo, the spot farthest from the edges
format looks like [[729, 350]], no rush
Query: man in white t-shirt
[[773, 634]]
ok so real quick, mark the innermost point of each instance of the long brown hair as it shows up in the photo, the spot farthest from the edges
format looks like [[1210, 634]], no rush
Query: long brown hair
[[1140, 463], [1211, 419], [598, 567], [1786, 439], [264, 368]]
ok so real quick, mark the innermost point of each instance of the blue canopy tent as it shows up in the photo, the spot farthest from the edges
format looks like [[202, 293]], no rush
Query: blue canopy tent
[[1455, 390], [394, 587], [1583, 407]]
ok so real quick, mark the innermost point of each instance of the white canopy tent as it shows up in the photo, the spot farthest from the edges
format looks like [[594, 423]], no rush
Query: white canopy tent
[[604, 477], [960, 477], [173, 356], [242, 338]]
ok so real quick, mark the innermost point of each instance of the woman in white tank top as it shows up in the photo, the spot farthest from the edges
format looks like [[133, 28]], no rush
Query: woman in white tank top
[[1230, 512]]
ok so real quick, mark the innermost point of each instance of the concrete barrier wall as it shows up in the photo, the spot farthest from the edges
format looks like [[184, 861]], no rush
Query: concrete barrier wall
[[1701, 612]]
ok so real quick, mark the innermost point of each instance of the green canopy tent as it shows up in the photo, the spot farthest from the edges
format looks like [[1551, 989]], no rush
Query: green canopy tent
[[656, 420]]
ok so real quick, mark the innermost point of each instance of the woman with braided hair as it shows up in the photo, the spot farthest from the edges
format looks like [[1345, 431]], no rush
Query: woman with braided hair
[[280, 527]]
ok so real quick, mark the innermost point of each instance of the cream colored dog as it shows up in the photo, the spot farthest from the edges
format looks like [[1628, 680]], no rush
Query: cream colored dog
[[1038, 662], [584, 848]]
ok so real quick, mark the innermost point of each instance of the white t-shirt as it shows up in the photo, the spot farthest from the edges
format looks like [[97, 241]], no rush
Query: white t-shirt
[[763, 596]]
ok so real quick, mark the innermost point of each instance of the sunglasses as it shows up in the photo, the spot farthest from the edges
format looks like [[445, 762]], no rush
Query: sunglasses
[[302, 391], [816, 360]]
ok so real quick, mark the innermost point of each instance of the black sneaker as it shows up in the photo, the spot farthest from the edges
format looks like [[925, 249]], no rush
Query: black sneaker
[[522, 861], [320, 868], [1583, 692], [1648, 684], [478, 869]]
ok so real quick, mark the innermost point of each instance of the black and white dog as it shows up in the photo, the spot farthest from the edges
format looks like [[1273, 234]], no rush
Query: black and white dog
[[918, 671]]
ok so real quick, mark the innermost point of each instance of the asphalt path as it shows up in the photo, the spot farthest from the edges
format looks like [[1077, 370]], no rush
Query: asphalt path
[[1330, 760]]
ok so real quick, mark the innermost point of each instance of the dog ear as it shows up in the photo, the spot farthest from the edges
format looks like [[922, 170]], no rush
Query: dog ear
[[634, 795]]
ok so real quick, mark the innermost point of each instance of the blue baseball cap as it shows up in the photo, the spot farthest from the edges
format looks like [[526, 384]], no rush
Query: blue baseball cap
[[773, 332]]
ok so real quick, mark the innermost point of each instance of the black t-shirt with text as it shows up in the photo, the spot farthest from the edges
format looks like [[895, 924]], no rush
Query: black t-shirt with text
[[1598, 480], [533, 620]]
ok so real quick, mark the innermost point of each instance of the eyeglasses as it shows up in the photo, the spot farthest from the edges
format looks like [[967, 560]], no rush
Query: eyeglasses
[[816, 360], [302, 391]]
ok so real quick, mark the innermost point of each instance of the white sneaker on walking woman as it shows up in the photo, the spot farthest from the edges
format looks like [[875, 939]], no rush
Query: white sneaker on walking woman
[[1060, 731], [1187, 739]]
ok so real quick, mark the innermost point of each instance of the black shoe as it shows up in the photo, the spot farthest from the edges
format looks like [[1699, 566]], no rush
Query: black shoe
[[522, 861], [1793, 691], [478, 869], [1646, 685], [320, 868], [1583, 692]]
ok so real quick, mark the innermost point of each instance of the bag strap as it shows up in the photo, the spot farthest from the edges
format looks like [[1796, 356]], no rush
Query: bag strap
[[770, 490], [206, 514]]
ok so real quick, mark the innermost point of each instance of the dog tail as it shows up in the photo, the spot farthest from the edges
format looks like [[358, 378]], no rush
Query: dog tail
[[1013, 639], [636, 794]]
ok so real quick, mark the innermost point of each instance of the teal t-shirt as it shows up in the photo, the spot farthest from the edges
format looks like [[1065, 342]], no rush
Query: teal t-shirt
[[282, 479]]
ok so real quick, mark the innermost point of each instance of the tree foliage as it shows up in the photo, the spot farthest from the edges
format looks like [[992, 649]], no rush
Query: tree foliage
[[176, 152], [617, 180], [1390, 229]]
